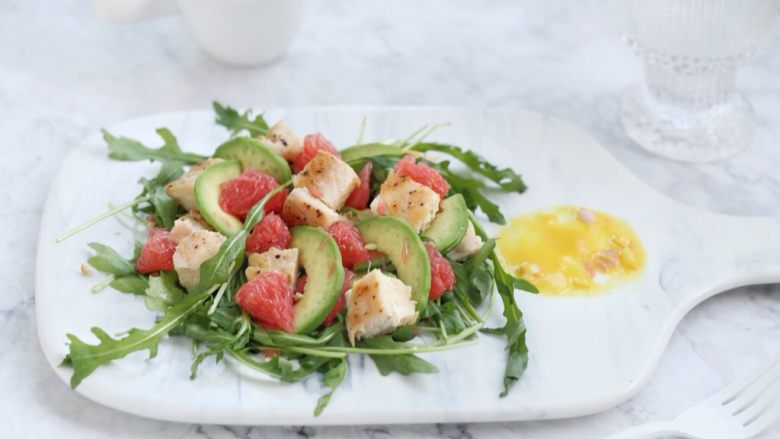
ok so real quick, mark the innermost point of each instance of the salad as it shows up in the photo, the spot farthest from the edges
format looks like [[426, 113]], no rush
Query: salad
[[287, 255]]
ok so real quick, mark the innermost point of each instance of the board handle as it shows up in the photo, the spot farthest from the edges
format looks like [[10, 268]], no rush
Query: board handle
[[750, 252]]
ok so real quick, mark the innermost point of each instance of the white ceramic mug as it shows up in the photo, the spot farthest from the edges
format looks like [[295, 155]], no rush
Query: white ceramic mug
[[237, 32]]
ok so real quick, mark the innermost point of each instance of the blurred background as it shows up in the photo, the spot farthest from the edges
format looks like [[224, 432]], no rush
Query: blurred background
[[64, 74]]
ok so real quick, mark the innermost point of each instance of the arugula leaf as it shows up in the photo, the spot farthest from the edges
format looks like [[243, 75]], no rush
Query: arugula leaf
[[279, 367], [153, 198], [478, 259], [405, 364], [164, 207], [471, 189], [85, 358], [358, 154], [405, 333], [492, 331], [163, 291], [109, 261], [332, 378], [237, 122], [218, 341], [507, 179], [127, 149], [283, 339], [472, 286], [195, 327], [132, 284], [219, 268], [451, 318], [514, 329], [474, 278]]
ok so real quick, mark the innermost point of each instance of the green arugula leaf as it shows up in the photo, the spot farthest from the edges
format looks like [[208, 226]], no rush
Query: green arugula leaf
[[474, 278], [514, 329], [237, 122], [163, 291], [218, 341], [85, 358], [126, 149], [473, 287], [332, 378], [279, 366], [164, 207], [109, 261], [507, 179], [522, 284], [405, 333], [492, 331], [471, 189], [220, 268], [281, 339], [452, 319], [357, 155], [478, 259], [132, 284], [154, 200], [405, 364], [196, 327]]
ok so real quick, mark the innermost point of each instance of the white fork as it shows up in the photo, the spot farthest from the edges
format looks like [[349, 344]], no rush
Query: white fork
[[740, 411]]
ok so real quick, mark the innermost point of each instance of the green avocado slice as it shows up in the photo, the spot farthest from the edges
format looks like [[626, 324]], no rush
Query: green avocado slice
[[320, 257], [253, 154], [450, 224], [395, 238], [207, 190]]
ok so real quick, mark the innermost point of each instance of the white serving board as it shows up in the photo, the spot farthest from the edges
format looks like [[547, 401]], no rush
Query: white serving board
[[587, 353]]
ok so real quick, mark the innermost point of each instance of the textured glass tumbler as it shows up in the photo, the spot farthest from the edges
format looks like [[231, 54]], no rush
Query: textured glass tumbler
[[688, 108]]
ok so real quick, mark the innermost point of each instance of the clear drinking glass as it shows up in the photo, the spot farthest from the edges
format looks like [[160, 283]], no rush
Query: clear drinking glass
[[688, 108]]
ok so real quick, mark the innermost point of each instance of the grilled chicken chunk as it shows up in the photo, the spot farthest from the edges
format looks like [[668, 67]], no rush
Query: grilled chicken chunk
[[183, 188], [283, 141], [470, 244], [378, 304], [404, 198], [284, 261], [328, 178], [301, 207], [191, 252], [185, 225]]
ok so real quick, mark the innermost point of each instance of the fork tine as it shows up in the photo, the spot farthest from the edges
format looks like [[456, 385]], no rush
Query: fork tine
[[762, 406], [751, 395], [730, 393], [765, 419], [765, 415]]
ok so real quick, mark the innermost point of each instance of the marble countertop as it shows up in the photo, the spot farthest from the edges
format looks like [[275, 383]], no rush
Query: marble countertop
[[63, 75]]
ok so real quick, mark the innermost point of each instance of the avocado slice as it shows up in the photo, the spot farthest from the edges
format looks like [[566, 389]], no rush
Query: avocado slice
[[368, 150], [395, 238], [320, 257], [450, 224], [207, 190], [253, 154]]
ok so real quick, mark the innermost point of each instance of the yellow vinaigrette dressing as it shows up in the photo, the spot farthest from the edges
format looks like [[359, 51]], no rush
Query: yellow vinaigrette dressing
[[571, 250]]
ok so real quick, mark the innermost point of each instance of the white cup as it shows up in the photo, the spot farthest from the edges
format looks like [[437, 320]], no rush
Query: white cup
[[236, 32]]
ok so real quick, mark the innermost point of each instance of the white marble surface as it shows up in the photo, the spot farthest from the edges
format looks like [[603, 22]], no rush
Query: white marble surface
[[63, 75]]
